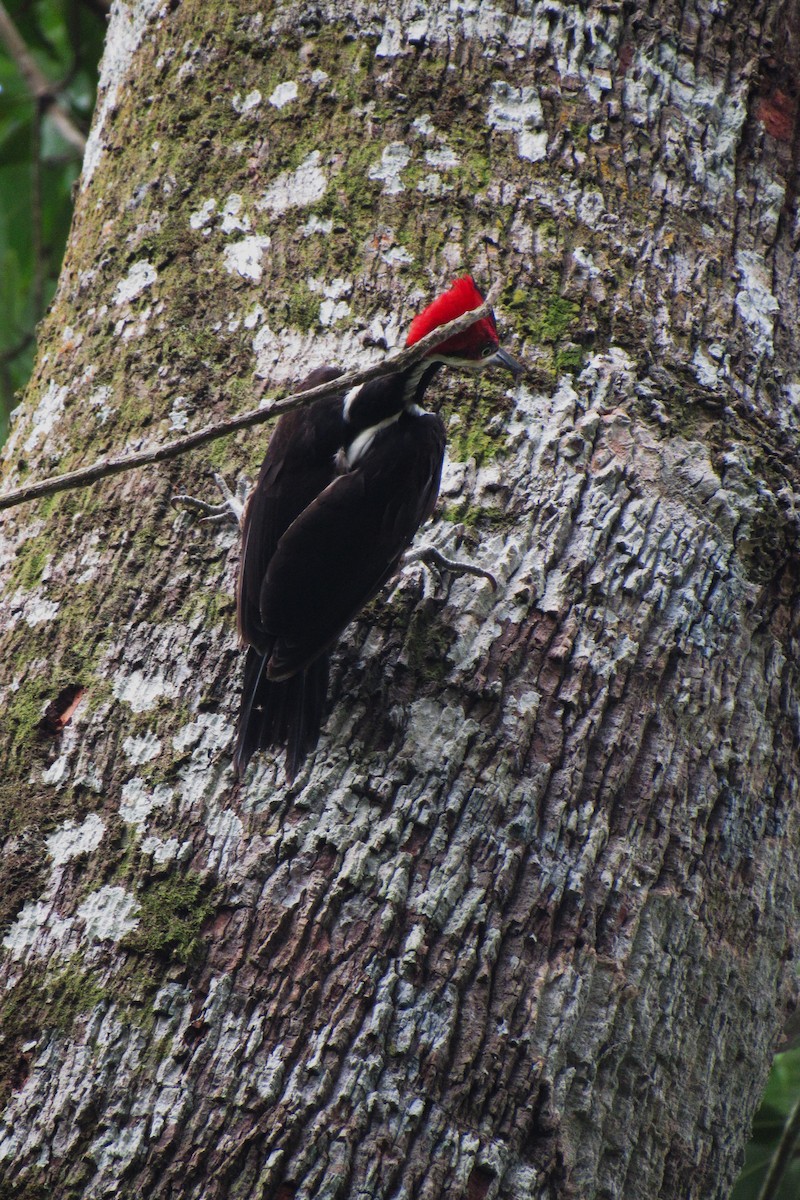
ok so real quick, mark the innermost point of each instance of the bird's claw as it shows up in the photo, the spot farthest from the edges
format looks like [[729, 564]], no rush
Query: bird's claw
[[434, 558], [231, 508]]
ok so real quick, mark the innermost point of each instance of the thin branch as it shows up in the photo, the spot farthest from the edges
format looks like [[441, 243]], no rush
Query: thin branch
[[783, 1155], [39, 85], [37, 222], [85, 476], [9, 355]]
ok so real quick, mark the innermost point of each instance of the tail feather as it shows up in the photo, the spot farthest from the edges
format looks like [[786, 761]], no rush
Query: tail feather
[[280, 713]]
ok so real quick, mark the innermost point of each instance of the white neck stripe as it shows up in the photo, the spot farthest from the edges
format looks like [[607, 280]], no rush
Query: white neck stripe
[[412, 383], [360, 445], [349, 397]]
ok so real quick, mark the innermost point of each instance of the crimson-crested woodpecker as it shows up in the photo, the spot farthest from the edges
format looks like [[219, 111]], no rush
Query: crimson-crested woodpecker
[[345, 485]]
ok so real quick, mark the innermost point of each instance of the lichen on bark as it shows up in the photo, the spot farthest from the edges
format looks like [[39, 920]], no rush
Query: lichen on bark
[[524, 926]]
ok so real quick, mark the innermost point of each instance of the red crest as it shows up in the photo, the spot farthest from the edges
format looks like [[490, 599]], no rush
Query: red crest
[[457, 300]]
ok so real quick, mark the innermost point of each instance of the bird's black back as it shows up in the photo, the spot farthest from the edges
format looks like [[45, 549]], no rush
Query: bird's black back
[[344, 546]]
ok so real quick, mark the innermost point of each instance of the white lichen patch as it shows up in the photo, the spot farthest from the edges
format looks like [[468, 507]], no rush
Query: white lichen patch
[[142, 749], [57, 772], [316, 224], [394, 159], [109, 913], [233, 217], [245, 258], [707, 370], [142, 691], [755, 302], [433, 185], [203, 216], [424, 125], [284, 94], [179, 414], [127, 329], [254, 317], [225, 830], [705, 117], [137, 801], [162, 851], [331, 311], [519, 111], [391, 43], [39, 610], [277, 355], [91, 563], [37, 927], [142, 275], [443, 159], [333, 289], [127, 26], [209, 732], [333, 307], [46, 416], [397, 256], [296, 189], [71, 840], [70, 338], [99, 401], [245, 104], [204, 747]]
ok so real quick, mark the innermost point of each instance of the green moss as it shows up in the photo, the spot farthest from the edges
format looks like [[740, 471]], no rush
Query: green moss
[[216, 607], [569, 360], [24, 712], [547, 319], [32, 562], [475, 421], [300, 308], [555, 318], [70, 993], [475, 516], [580, 133], [22, 1190], [428, 643], [40, 1001], [471, 441], [173, 911], [28, 734]]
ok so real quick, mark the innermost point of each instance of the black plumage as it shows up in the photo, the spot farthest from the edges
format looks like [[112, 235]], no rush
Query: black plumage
[[345, 485], [299, 464], [321, 536]]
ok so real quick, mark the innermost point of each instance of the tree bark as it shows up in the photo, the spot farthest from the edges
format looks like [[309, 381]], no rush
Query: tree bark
[[524, 926]]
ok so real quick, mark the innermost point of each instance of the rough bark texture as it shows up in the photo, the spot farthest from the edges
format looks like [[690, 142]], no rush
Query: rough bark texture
[[525, 925]]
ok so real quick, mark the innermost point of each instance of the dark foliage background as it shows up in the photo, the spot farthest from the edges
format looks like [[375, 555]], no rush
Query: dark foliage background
[[39, 167]]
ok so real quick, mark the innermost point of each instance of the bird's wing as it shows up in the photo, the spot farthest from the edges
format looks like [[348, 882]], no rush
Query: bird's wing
[[340, 550], [299, 464]]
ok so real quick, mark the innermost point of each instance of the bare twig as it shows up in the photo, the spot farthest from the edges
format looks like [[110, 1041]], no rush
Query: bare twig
[[39, 85], [85, 476], [782, 1156], [36, 215]]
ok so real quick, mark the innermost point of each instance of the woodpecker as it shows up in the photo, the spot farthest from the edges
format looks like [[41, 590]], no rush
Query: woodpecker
[[345, 484]]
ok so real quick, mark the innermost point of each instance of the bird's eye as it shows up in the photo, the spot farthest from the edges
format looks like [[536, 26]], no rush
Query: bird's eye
[[487, 351]]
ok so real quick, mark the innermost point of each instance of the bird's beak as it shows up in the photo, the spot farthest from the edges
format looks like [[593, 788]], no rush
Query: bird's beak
[[502, 358]]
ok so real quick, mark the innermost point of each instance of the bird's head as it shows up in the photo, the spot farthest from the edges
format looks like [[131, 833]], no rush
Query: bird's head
[[474, 348]]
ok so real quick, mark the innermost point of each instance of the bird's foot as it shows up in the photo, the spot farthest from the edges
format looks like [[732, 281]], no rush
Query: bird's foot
[[230, 508], [434, 558]]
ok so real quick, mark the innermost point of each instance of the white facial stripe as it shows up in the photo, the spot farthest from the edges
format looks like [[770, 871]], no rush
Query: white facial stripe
[[349, 397], [412, 383], [362, 443]]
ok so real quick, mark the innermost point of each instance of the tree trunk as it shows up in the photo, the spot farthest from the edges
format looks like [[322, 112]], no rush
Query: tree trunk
[[524, 925]]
